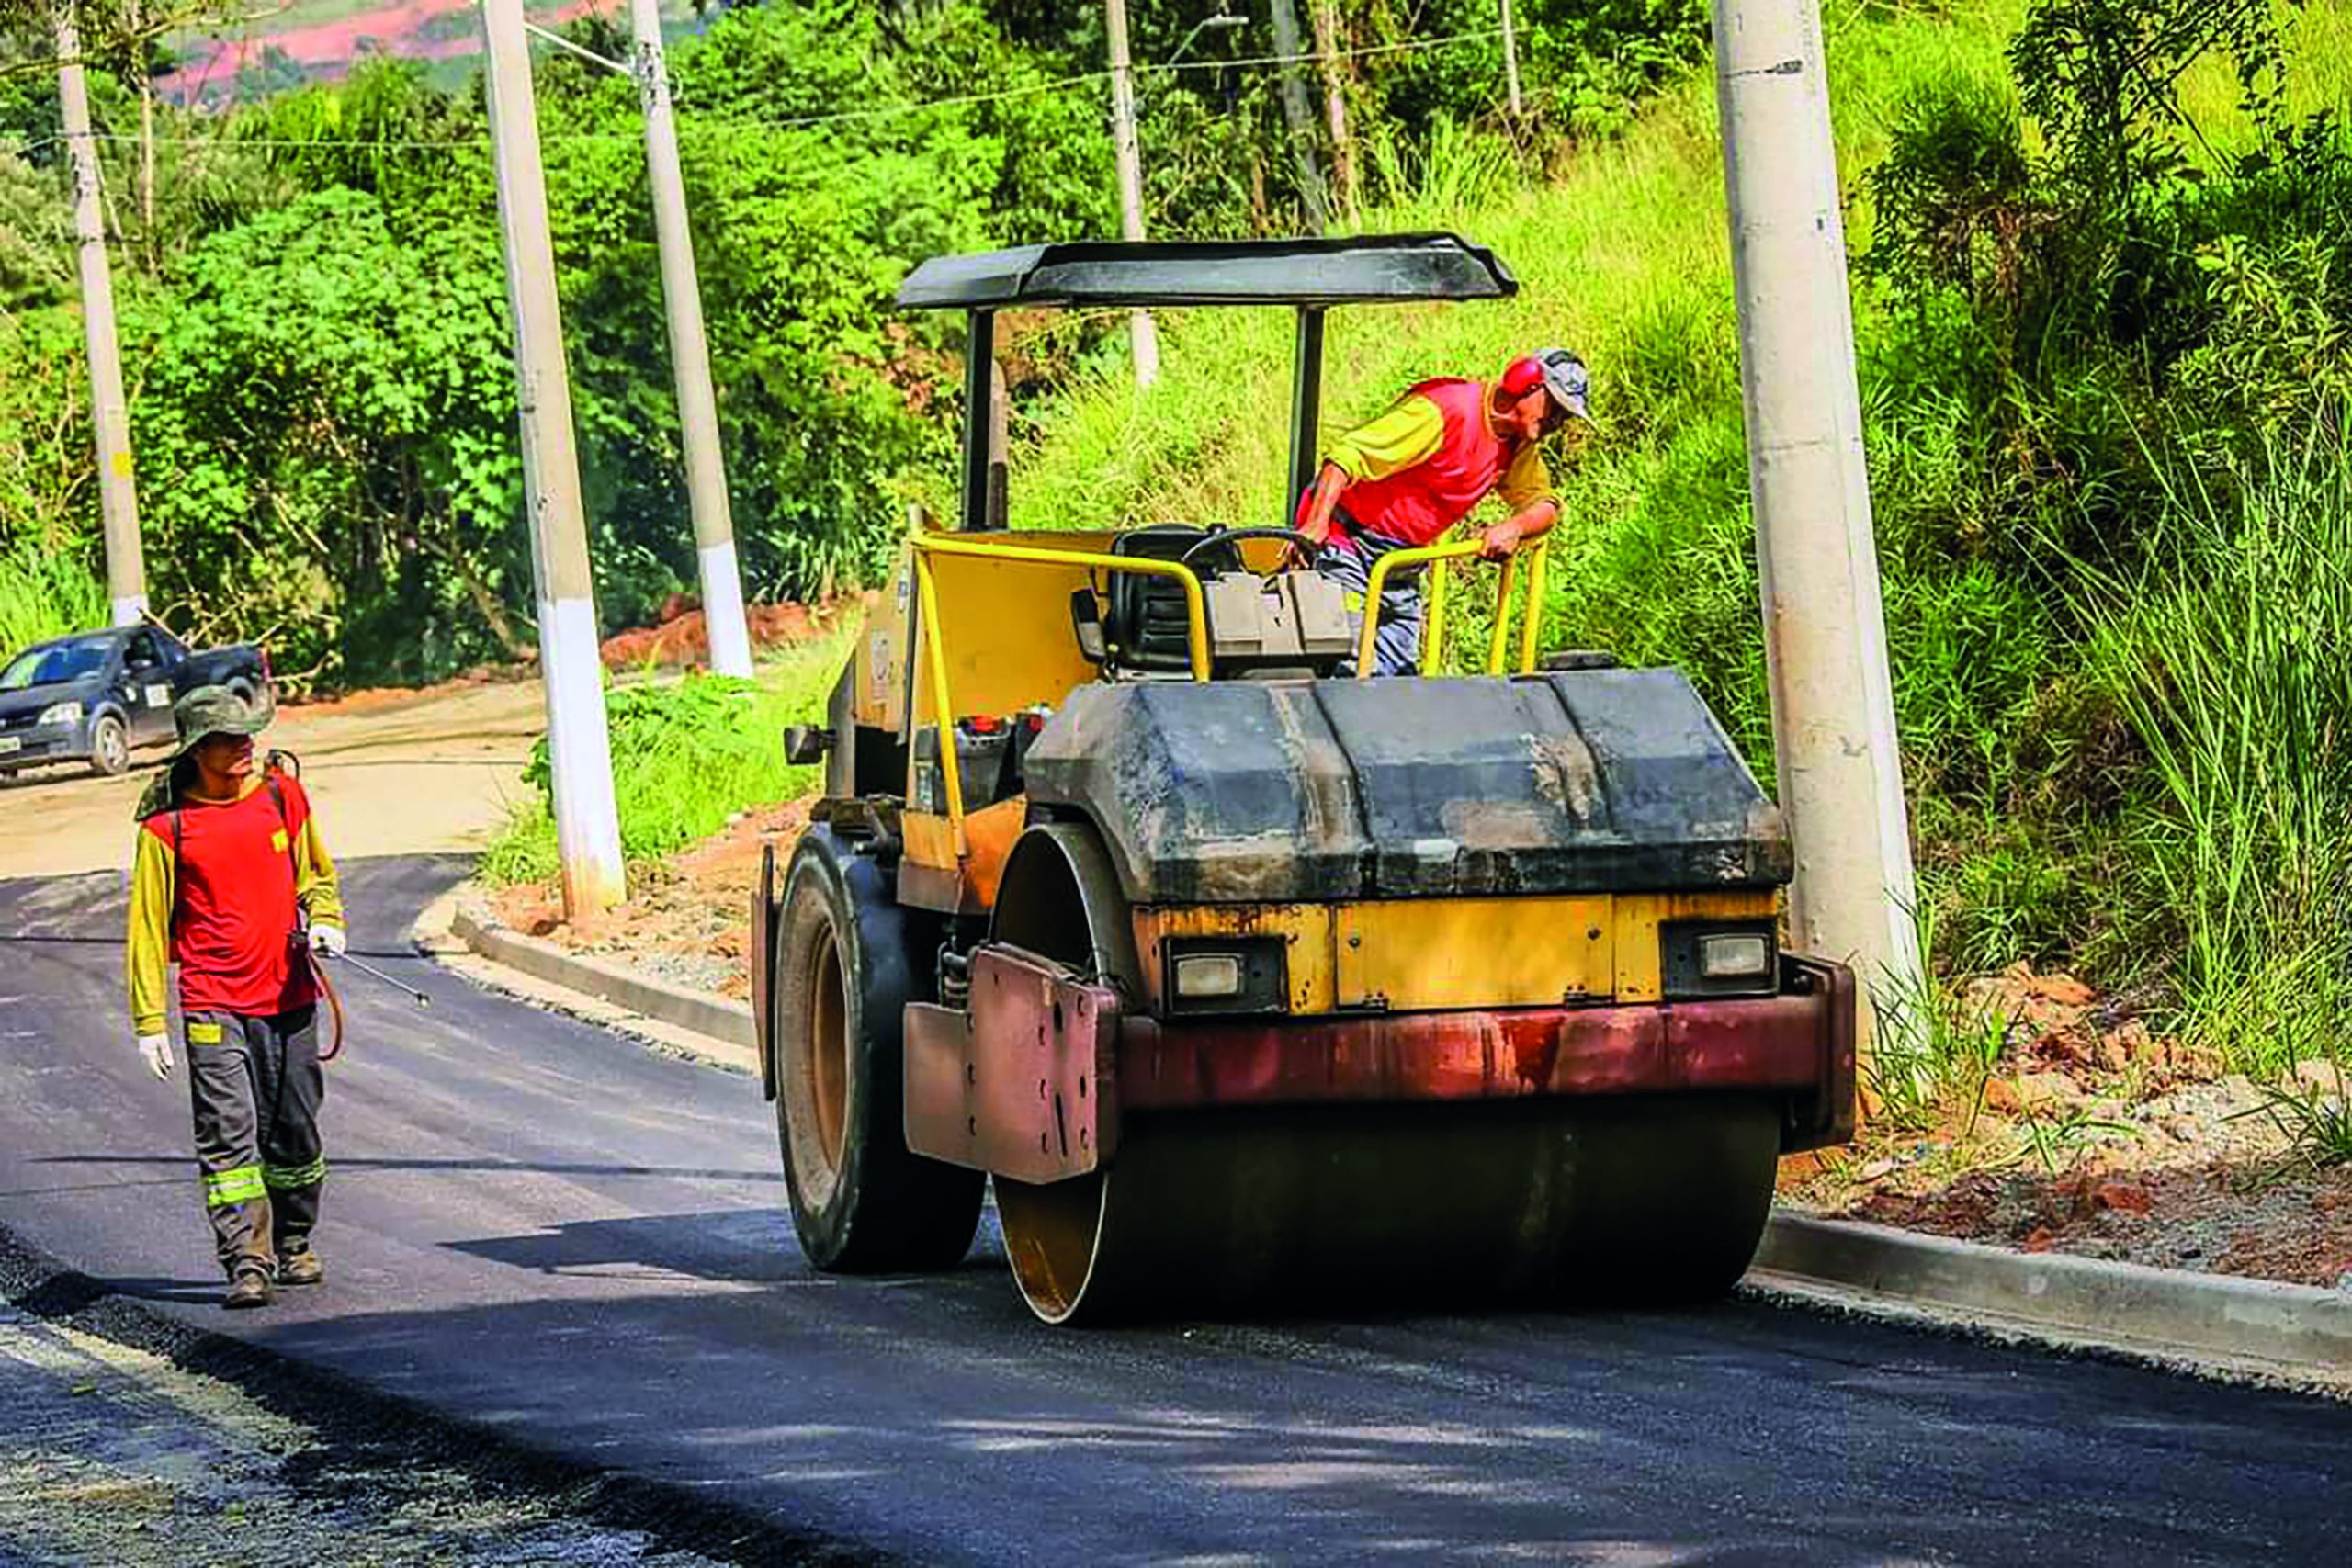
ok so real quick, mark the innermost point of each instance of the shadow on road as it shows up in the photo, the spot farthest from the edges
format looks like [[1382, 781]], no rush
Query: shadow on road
[[930, 1416], [180, 1162]]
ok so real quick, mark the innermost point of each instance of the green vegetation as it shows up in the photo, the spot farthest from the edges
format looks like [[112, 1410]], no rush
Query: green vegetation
[[313, 302], [2104, 362], [42, 596], [686, 757], [2103, 302]]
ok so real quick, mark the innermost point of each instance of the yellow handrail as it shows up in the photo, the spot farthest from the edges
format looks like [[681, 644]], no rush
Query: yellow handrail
[[1531, 624], [1454, 550], [1433, 634], [934, 661], [1502, 615]]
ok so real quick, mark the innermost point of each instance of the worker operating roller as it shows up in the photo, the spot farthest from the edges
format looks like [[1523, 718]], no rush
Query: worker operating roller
[[1404, 478]]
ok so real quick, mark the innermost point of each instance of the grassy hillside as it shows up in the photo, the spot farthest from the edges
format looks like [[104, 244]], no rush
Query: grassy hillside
[[2070, 809]]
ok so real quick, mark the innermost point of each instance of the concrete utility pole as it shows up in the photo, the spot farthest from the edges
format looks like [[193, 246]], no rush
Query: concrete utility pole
[[722, 578], [1825, 630], [1510, 59], [587, 826], [110, 411], [1145, 333]]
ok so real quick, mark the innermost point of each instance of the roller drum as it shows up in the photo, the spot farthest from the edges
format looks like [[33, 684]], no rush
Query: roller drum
[[1266, 1210]]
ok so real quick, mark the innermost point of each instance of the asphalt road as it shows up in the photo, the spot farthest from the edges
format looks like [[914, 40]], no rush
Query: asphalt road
[[547, 1229]]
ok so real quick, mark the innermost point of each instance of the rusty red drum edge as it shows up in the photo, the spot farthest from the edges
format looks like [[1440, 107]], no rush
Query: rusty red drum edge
[[1799, 1045], [1033, 1083]]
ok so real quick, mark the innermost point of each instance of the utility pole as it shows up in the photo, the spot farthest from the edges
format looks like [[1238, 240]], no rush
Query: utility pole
[[1510, 60], [1300, 113], [110, 411], [1825, 627], [1144, 332], [722, 578], [1335, 108], [587, 826]]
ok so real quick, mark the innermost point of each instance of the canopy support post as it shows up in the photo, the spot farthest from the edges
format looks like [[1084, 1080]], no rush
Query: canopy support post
[[979, 399], [1306, 409]]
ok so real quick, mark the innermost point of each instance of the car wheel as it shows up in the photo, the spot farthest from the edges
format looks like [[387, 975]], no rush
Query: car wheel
[[109, 746]]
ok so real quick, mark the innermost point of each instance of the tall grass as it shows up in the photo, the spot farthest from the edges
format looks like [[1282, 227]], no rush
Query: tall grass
[[2212, 875], [687, 756], [45, 594], [2227, 654]]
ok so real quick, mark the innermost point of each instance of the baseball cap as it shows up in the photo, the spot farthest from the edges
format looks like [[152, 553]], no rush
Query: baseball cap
[[1556, 370]]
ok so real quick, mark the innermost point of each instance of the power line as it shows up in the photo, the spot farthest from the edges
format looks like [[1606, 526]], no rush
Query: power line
[[802, 122]]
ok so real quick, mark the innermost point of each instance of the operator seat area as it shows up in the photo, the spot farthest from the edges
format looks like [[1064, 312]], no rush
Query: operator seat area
[[1291, 625]]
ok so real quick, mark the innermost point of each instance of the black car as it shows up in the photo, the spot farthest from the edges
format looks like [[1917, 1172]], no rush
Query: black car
[[96, 696]]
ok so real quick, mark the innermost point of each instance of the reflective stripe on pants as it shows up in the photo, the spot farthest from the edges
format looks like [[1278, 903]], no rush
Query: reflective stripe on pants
[[255, 1086]]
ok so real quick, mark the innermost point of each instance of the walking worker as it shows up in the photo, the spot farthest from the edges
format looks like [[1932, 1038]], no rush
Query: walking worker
[[1407, 477], [231, 882]]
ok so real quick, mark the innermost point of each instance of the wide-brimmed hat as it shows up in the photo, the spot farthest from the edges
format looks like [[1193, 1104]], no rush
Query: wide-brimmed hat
[[1558, 372], [216, 710]]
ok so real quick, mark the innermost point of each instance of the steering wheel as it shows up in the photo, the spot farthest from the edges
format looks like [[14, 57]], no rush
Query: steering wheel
[[1309, 549]]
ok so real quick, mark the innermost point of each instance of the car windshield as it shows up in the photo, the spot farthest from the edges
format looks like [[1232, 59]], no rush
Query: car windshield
[[58, 662]]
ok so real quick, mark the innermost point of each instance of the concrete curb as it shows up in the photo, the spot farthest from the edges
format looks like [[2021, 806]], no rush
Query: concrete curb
[[674, 1005], [2299, 1330]]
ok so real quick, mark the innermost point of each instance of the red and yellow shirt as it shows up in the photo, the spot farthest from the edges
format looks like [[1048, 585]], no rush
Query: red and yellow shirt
[[218, 896], [1420, 467]]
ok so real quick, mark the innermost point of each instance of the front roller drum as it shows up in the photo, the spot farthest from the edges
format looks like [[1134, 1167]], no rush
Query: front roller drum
[[1536, 1201], [1601, 1197], [847, 957]]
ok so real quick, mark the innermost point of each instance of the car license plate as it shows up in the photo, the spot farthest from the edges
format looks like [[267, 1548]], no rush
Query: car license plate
[[10, 743]]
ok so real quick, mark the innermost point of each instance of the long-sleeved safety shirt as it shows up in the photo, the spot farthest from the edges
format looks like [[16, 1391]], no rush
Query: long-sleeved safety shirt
[[219, 888], [1411, 432]]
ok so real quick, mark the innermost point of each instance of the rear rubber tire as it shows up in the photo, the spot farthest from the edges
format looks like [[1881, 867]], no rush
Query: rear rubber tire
[[109, 746], [846, 961]]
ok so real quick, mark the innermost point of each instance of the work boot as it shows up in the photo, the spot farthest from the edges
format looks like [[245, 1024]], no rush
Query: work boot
[[300, 1266], [249, 1288]]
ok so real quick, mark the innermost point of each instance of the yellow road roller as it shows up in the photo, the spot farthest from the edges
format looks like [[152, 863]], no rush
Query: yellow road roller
[[1253, 987]]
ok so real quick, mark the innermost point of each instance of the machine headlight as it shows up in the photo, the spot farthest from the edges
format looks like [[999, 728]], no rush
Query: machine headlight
[[1719, 958], [61, 713], [1226, 974], [1200, 975], [1739, 955]]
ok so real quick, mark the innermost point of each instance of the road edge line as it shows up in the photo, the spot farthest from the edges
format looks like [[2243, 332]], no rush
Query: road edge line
[[2297, 1330]]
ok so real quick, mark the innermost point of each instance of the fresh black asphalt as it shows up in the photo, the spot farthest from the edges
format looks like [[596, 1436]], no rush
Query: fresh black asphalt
[[553, 1233]]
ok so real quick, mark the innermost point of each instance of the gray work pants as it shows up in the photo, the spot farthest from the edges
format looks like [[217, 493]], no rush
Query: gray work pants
[[255, 1084], [1397, 645]]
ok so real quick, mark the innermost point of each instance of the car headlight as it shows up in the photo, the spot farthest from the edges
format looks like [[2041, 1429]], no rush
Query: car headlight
[[61, 713]]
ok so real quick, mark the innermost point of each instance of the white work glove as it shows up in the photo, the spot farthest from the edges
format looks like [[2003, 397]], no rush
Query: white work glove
[[328, 942], [157, 1049]]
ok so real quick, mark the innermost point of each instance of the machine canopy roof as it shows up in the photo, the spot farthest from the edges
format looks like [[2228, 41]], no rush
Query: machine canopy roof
[[1236, 272]]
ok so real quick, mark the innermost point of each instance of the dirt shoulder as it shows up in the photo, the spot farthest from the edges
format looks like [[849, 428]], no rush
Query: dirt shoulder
[[2088, 1134], [413, 772], [687, 918]]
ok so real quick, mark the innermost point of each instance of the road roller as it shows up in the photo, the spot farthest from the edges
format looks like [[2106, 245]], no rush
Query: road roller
[[1252, 987]]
